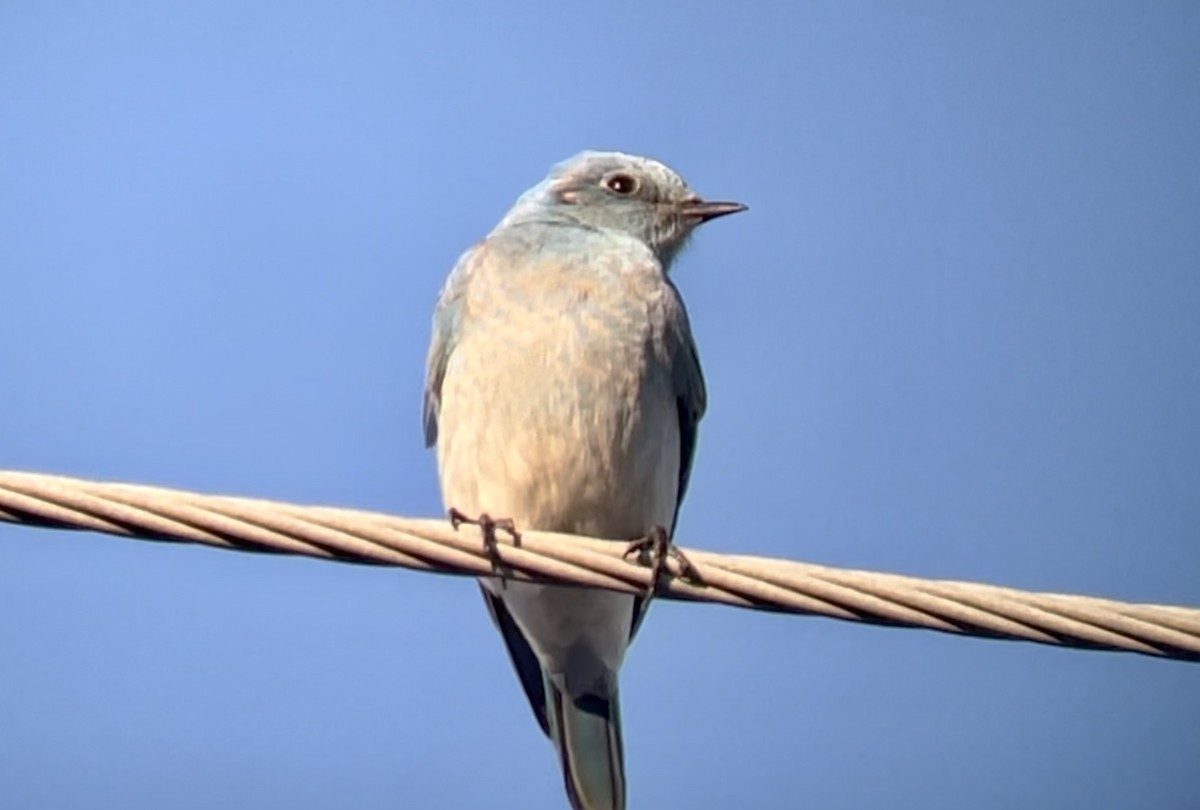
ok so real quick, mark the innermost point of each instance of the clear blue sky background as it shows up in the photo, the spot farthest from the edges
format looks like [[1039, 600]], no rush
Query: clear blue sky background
[[956, 336]]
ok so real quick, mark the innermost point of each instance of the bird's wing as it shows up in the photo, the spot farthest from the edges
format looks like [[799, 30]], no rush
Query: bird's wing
[[691, 398], [524, 660], [447, 321]]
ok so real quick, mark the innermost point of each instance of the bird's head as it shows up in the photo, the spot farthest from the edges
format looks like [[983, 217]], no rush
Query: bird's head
[[625, 193]]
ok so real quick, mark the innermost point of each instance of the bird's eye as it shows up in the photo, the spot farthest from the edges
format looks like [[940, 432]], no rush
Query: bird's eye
[[621, 183]]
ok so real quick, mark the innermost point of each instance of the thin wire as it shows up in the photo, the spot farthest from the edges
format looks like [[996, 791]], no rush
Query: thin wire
[[760, 583]]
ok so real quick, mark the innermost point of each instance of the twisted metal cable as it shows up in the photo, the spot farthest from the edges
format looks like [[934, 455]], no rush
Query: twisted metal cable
[[761, 583]]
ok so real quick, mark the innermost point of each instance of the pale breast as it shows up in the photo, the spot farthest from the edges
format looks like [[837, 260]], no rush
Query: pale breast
[[557, 409]]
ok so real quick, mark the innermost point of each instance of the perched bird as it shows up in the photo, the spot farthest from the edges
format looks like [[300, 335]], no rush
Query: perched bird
[[563, 394]]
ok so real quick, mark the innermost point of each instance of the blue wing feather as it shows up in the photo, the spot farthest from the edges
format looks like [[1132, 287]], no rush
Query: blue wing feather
[[691, 400], [447, 320]]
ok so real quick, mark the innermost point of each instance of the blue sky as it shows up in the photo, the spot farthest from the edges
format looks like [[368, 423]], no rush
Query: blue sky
[[955, 336]]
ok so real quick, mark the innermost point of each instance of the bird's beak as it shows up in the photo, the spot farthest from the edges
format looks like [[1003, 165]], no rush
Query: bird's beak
[[704, 211]]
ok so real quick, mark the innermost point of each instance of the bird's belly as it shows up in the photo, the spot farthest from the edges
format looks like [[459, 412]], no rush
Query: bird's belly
[[585, 444], [580, 634]]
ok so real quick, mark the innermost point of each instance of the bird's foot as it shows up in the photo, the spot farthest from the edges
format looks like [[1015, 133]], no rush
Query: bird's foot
[[654, 549], [487, 527]]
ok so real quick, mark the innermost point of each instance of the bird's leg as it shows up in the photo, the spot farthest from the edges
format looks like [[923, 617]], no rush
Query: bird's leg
[[653, 549], [487, 527]]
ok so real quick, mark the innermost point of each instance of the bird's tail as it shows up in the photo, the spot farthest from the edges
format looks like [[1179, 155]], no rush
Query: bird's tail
[[586, 730]]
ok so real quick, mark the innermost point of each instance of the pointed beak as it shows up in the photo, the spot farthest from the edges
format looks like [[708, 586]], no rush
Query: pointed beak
[[704, 211]]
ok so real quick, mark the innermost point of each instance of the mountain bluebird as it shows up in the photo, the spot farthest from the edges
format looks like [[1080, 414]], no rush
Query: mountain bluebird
[[563, 394]]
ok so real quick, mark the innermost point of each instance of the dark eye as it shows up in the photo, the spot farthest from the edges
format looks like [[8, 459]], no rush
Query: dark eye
[[621, 183]]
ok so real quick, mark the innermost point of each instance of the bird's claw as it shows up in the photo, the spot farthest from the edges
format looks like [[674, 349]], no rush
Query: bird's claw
[[487, 527], [654, 549]]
